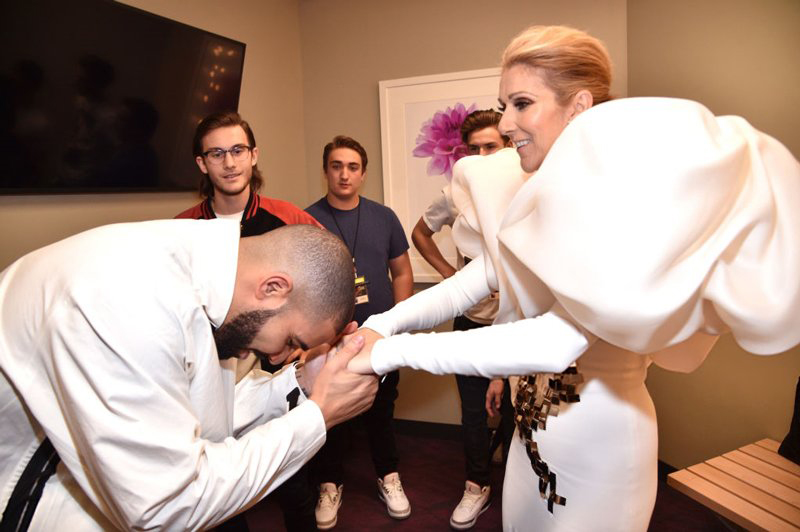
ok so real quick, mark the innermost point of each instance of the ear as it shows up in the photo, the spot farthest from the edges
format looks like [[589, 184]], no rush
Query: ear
[[201, 163], [350, 328], [581, 102], [254, 158], [274, 289]]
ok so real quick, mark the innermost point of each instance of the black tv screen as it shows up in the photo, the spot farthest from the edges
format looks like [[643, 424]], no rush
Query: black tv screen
[[97, 96]]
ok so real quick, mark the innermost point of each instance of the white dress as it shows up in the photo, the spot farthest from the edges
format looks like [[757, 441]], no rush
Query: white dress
[[651, 227]]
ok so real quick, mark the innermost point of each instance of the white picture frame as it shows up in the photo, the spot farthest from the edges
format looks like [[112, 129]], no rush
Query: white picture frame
[[406, 104]]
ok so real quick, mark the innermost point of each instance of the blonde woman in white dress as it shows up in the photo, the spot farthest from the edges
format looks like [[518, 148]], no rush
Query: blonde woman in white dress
[[649, 228]]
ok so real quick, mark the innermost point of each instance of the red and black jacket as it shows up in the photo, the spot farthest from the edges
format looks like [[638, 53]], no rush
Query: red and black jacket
[[261, 214]]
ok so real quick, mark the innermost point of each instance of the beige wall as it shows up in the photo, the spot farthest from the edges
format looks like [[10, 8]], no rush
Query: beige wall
[[737, 57], [350, 45], [271, 94]]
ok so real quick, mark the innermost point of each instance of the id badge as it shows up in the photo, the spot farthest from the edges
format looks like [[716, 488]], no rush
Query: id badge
[[361, 290]]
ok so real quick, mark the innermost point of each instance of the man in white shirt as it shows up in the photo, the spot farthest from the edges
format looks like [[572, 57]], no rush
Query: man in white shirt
[[481, 136], [119, 349]]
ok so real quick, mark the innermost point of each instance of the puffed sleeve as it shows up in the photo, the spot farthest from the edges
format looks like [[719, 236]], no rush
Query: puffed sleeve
[[651, 221]]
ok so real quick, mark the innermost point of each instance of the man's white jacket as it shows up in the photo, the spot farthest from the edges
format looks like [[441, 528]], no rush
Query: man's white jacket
[[106, 348]]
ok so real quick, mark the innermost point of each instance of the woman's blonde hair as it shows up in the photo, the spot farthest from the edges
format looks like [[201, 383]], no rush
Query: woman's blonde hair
[[570, 60]]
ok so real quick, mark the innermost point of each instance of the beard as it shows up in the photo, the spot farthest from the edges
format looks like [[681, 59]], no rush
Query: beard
[[234, 337]]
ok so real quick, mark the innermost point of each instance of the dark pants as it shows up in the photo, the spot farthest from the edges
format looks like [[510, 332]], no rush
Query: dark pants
[[473, 422], [297, 500], [477, 445], [506, 427], [379, 424], [296, 497]]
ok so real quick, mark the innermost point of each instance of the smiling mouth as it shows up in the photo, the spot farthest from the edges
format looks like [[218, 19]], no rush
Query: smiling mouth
[[520, 143]]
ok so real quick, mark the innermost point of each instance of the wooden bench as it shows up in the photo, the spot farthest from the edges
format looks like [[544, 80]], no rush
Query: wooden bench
[[753, 486]]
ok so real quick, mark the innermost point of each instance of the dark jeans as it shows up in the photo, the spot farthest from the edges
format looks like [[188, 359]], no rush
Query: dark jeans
[[296, 497], [477, 445], [379, 424], [297, 500]]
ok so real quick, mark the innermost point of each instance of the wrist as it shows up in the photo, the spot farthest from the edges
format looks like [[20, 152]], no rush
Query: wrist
[[300, 376]]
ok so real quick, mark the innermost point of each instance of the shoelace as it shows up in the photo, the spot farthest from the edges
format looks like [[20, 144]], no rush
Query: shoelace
[[393, 487], [470, 499], [328, 499]]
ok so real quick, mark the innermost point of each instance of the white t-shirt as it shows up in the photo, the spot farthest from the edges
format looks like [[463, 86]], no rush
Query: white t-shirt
[[236, 217], [440, 213]]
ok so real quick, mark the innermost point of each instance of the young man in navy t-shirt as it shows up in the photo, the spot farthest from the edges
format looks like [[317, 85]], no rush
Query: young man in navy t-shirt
[[382, 272]]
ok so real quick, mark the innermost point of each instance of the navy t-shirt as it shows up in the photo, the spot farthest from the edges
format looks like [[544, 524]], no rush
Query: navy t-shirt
[[379, 238]]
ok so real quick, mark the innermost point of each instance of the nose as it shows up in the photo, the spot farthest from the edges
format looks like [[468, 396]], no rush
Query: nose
[[506, 124], [227, 160]]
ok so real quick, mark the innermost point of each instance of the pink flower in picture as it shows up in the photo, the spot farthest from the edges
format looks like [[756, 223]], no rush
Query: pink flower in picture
[[440, 139]]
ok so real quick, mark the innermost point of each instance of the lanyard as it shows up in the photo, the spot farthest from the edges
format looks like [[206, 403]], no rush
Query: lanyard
[[344, 239]]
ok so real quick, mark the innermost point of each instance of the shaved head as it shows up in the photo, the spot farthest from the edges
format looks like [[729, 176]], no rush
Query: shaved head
[[319, 264]]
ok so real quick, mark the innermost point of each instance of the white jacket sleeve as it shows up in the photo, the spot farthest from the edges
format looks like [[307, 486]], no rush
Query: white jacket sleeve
[[438, 303], [548, 343], [136, 444], [262, 396]]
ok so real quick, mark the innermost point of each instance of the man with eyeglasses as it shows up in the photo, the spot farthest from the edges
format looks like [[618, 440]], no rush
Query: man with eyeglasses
[[225, 150]]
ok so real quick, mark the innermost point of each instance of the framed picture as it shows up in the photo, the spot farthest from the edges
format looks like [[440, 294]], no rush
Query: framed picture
[[420, 142]]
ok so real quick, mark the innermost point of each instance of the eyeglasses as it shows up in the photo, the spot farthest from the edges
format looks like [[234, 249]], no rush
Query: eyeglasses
[[217, 155]]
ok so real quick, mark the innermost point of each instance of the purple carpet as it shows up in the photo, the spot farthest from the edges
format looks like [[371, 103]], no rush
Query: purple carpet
[[432, 470]]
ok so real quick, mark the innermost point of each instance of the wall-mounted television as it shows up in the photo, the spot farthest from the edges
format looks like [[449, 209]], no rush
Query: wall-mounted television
[[98, 96]]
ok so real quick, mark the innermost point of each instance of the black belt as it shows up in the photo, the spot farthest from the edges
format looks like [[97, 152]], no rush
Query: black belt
[[25, 497]]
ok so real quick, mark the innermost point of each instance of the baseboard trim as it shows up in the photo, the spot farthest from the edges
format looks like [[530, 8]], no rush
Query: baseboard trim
[[664, 469]]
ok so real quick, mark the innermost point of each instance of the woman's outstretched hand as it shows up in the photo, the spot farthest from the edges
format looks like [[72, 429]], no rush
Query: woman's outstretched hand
[[362, 362]]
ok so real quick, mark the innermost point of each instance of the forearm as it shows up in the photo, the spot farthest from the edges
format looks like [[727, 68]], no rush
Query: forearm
[[430, 251], [402, 277], [233, 474], [188, 482], [402, 286], [548, 343], [436, 304], [261, 396], [274, 440]]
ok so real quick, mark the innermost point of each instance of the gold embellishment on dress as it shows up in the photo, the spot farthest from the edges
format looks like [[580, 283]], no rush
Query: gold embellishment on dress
[[539, 396]]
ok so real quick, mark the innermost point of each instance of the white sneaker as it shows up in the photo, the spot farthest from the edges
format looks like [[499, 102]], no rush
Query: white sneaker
[[475, 501], [330, 499], [390, 490]]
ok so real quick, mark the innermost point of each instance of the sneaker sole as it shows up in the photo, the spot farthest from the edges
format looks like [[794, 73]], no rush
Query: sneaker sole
[[394, 515], [469, 524], [330, 524]]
